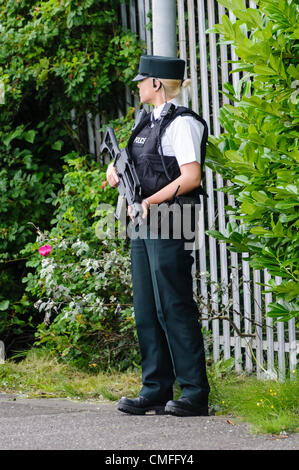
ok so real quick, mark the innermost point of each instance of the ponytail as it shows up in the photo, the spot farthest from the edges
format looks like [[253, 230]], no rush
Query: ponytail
[[173, 88]]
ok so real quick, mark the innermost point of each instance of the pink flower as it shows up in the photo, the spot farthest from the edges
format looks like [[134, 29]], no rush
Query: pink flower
[[45, 250]]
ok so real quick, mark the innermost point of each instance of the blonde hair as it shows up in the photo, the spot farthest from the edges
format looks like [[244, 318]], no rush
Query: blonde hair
[[173, 88]]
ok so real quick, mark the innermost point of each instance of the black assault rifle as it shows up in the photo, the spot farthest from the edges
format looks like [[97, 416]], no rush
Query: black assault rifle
[[129, 187]]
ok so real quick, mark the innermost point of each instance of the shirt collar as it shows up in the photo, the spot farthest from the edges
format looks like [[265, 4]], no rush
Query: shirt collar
[[157, 111]]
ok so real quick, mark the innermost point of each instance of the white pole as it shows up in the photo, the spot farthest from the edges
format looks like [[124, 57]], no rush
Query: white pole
[[183, 47], [164, 28], [2, 352]]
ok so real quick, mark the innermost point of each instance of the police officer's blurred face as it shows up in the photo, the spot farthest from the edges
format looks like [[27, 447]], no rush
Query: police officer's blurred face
[[145, 90], [148, 93]]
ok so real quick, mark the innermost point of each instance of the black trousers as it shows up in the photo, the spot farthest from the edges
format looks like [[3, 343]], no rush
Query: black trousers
[[166, 315]]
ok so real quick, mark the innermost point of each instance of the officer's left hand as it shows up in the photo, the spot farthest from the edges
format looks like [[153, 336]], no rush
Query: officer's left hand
[[145, 207]]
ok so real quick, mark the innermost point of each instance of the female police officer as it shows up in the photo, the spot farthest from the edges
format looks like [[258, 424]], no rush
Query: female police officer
[[166, 146]]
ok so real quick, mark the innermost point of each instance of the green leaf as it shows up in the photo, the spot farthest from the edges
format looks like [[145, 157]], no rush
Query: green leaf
[[234, 156], [289, 289], [232, 4], [264, 70], [29, 136], [260, 231], [260, 196], [227, 25], [57, 145], [286, 205], [13, 135], [218, 235], [276, 310], [4, 304]]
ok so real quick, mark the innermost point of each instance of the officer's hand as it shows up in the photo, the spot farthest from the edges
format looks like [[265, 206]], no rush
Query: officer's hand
[[112, 176], [130, 213], [145, 207]]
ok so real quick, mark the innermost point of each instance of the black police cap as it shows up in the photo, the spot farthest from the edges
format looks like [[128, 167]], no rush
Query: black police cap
[[160, 67]]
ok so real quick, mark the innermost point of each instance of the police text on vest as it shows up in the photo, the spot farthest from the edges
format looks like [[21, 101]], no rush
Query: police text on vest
[[140, 140]]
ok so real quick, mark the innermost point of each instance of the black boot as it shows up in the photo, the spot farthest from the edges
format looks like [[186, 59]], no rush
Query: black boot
[[141, 405], [186, 407]]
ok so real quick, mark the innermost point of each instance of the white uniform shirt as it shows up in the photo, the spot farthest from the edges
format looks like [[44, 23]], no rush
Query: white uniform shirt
[[182, 137]]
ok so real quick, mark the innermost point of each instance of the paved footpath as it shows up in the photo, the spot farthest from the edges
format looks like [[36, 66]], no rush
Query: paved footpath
[[61, 424]]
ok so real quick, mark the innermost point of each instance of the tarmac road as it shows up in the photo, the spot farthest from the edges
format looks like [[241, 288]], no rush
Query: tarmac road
[[62, 424]]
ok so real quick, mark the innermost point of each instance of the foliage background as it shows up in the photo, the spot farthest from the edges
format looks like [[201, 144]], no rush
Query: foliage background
[[258, 152], [59, 59]]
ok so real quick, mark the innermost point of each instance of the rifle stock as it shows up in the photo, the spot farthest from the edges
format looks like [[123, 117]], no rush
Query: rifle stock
[[129, 185]]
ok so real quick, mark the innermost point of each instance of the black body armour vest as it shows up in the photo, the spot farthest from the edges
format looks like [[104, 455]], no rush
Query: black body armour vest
[[154, 169]]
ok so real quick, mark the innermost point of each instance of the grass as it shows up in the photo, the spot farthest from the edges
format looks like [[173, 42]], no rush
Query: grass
[[269, 406], [42, 375]]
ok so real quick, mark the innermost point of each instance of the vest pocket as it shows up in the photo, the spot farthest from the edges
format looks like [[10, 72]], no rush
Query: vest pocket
[[151, 172]]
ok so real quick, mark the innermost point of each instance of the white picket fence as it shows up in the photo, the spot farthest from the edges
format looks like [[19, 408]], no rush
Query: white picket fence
[[269, 350]]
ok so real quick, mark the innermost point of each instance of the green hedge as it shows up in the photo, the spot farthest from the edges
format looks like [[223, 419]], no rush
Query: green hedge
[[59, 59], [81, 285], [258, 152]]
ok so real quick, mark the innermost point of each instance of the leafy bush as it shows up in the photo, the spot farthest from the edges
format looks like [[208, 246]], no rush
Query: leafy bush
[[85, 296], [259, 151], [82, 285], [27, 188], [59, 59], [66, 53]]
